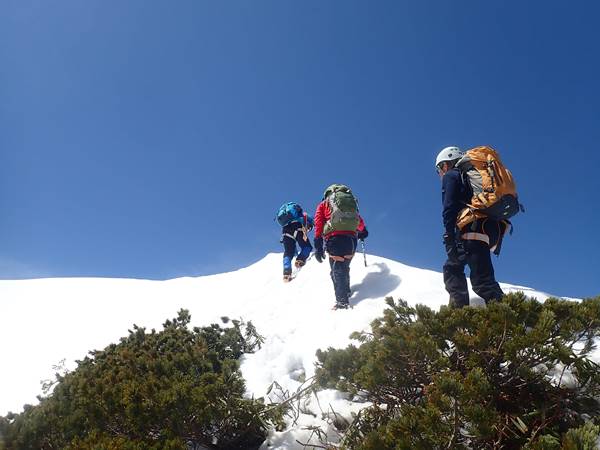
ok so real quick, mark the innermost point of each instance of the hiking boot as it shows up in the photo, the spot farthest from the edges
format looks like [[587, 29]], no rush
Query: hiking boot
[[299, 263], [287, 275], [340, 305], [457, 304]]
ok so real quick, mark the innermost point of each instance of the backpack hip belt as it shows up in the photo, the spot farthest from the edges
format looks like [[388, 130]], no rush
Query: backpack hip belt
[[471, 236], [295, 235]]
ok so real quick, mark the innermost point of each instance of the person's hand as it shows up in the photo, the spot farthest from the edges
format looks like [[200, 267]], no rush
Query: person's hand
[[449, 244], [454, 252], [362, 234], [319, 252]]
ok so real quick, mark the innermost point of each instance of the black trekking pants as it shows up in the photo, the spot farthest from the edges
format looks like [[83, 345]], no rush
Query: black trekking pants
[[341, 249], [475, 254]]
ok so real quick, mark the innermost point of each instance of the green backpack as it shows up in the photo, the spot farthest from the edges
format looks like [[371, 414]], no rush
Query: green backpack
[[344, 209]]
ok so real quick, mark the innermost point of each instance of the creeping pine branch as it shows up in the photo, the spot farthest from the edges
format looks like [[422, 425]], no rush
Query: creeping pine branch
[[288, 401], [585, 332], [338, 423], [321, 437]]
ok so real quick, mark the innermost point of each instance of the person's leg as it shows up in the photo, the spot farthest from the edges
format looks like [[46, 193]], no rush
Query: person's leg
[[455, 282], [482, 272], [289, 251], [340, 275], [340, 249], [348, 257], [305, 248], [346, 280]]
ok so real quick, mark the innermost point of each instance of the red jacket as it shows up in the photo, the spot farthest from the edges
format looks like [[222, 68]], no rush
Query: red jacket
[[323, 214]]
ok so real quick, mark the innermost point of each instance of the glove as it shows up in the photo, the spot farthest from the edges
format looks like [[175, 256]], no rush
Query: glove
[[362, 234], [319, 256], [454, 250], [319, 252]]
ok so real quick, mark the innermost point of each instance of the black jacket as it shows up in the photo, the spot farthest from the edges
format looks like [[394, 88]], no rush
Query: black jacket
[[455, 196]]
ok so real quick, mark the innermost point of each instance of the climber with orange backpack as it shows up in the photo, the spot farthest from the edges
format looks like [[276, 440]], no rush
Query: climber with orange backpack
[[479, 197]]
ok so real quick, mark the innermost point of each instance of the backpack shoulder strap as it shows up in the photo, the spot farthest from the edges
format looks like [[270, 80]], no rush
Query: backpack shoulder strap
[[464, 178]]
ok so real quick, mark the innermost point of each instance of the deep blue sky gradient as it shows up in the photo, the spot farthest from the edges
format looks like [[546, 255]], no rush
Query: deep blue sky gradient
[[156, 139]]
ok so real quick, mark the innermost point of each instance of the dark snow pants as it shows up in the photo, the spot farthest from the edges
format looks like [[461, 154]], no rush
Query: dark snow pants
[[293, 234], [341, 249], [475, 254]]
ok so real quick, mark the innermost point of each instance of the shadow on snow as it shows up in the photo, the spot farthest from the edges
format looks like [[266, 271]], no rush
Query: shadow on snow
[[375, 284]]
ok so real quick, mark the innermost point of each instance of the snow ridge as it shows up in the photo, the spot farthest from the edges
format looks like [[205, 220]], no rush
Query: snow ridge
[[48, 320]]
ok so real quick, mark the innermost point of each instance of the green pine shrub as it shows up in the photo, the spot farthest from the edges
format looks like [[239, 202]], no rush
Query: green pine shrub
[[516, 374], [168, 390]]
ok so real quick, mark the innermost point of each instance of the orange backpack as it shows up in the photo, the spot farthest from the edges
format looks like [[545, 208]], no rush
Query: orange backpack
[[493, 186]]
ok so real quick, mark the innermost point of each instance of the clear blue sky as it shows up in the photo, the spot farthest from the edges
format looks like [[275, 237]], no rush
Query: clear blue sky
[[156, 139]]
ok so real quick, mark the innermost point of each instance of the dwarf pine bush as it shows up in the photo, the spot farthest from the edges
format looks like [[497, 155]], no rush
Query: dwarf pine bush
[[168, 390], [516, 374]]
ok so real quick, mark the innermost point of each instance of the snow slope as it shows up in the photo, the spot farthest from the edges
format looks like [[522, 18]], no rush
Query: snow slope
[[46, 320]]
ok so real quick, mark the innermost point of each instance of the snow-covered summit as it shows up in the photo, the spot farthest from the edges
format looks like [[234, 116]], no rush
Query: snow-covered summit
[[46, 320]]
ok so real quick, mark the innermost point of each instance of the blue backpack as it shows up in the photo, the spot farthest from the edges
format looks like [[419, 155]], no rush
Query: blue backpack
[[288, 213]]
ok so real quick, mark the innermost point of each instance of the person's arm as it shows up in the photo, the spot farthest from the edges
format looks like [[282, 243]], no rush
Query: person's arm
[[319, 225], [452, 200], [310, 223], [319, 220], [453, 203], [361, 230]]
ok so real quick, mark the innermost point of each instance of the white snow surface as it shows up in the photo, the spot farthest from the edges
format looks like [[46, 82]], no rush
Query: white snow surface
[[43, 321]]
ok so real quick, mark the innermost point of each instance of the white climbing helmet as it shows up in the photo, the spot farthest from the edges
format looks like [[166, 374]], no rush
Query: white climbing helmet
[[448, 154]]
